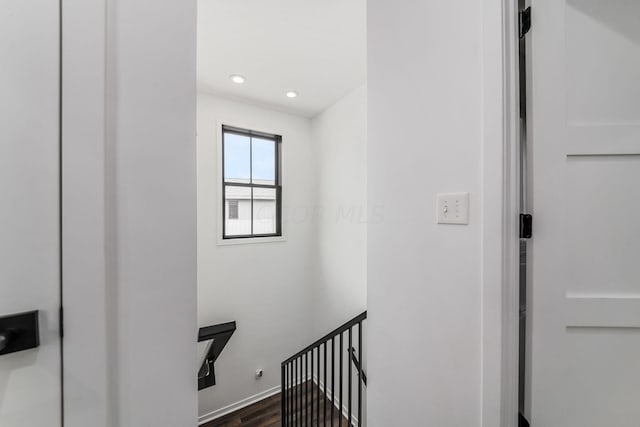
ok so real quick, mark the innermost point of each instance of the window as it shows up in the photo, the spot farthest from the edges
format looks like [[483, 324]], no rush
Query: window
[[251, 188]]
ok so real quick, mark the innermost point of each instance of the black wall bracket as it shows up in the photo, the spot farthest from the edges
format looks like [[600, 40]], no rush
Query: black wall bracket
[[19, 332], [218, 335]]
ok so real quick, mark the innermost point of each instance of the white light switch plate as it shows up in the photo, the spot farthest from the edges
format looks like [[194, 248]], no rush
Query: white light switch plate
[[453, 208]]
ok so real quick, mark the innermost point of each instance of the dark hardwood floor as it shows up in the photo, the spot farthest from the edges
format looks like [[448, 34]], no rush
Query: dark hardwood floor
[[266, 413]]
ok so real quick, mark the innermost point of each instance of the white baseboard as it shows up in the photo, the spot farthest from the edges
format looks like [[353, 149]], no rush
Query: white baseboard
[[238, 405]]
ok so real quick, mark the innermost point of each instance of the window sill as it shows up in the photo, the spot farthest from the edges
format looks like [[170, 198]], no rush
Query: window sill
[[251, 240]]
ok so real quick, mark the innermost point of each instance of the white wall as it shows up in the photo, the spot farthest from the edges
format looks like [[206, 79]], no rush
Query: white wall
[[339, 141], [29, 221], [415, 80], [424, 280], [151, 211], [87, 340], [265, 287]]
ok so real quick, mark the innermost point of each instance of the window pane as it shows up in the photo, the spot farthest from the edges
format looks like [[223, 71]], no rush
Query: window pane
[[264, 161], [264, 211], [237, 211], [237, 158]]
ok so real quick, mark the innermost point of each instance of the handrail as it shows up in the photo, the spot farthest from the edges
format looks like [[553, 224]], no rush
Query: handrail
[[218, 335], [207, 333], [327, 337], [356, 362]]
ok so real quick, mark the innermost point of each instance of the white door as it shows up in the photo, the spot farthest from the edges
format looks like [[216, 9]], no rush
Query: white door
[[30, 380], [584, 120]]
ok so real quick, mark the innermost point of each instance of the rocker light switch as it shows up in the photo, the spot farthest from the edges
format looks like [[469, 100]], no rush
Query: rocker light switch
[[453, 208]]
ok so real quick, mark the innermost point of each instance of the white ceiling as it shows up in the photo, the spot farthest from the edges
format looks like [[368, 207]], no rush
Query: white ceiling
[[314, 47]]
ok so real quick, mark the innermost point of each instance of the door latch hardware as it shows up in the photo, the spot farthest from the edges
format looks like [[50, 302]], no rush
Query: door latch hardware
[[526, 226], [19, 332], [5, 339]]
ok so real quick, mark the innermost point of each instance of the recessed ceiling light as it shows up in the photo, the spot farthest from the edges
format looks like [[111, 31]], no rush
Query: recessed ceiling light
[[292, 94], [237, 78]]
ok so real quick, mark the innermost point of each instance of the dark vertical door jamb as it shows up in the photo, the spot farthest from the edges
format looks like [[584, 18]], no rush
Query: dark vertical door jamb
[[524, 26]]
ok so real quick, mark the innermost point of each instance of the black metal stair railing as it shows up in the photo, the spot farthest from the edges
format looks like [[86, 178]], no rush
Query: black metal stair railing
[[318, 384]]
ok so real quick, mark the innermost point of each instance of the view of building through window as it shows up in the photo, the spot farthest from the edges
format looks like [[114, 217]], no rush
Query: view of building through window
[[252, 188], [233, 208]]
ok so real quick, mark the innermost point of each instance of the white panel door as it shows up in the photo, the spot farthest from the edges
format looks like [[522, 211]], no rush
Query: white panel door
[[584, 92], [30, 390]]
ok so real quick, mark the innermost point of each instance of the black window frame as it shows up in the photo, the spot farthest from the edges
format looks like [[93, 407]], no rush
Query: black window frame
[[277, 186]]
